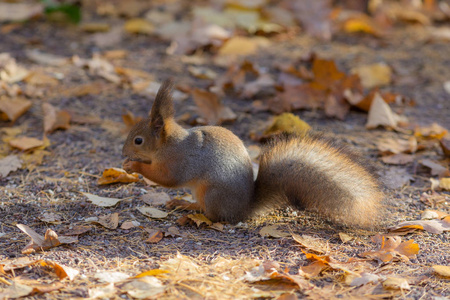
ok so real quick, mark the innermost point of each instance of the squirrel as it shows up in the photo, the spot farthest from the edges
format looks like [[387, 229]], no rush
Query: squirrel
[[307, 172]]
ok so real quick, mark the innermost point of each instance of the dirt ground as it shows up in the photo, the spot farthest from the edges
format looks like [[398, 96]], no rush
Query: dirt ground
[[79, 155]]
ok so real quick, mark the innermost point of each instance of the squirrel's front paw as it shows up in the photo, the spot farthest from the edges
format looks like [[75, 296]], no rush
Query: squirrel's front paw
[[129, 166]]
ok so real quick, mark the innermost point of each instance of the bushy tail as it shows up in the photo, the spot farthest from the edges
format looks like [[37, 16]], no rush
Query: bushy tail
[[316, 174]]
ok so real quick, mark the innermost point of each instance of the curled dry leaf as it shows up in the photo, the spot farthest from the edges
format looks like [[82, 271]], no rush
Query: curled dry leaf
[[319, 264], [392, 247], [380, 114], [154, 236], [433, 131], [211, 108], [39, 242], [152, 212], [9, 164], [314, 244], [55, 119], [272, 231], [102, 201], [365, 278], [199, 219], [12, 109], [436, 226], [117, 175], [60, 270]]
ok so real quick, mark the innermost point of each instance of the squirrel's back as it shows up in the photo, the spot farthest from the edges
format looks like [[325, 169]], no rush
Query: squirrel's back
[[316, 174]]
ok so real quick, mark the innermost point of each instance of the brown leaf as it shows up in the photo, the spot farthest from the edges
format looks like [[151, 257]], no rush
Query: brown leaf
[[314, 244], [152, 212], [241, 46], [60, 270], [398, 159], [211, 108], [392, 247], [155, 198], [39, 243], [436, 226], [76, 230], [272, 231], [130, 120], [12, 109], [436, 168], [319, 264], [117, 175], [40, 79], [199, 219], [396, 146], [110, 221], [55, 119], [9, 164], [26, 143], [129, 224], [155, 236]]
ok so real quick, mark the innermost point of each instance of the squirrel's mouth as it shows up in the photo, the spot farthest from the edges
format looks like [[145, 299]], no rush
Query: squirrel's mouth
[[138, 160]]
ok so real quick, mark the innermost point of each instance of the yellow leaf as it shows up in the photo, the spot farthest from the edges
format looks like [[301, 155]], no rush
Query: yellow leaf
[[239, 45], [115, 175], [139, 26], [154, 272], [442, 270]]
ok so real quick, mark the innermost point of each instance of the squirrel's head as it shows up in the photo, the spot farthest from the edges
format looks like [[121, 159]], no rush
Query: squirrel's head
[[146, 137]]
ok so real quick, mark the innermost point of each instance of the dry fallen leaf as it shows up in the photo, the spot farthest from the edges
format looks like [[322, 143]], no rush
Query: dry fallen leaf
[[314, 244], [436, 226], [145, 287], [380, 114], [396, 283], [398, 159], [55, 119], [365, 278], [110, 221], [102, 201], [60, 270], [436, 168], [433, 131], [16, 290], [26, 143], [51, 218], [199, 219], [9, 164], [211, 108], [374, 75], [392, 247], [116, 175], [272, 231], [152, 212], [445, 145], [154, 236], [396, 146], [129, 224], [139, 26], [39, 242], [45, 58], [240, 45], [442, 270], [12, 109], [287, 122], [345, 237], [319, 264], [155, 198]]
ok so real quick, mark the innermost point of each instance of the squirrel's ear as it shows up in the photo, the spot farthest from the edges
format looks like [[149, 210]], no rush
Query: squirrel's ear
[[162, 107]]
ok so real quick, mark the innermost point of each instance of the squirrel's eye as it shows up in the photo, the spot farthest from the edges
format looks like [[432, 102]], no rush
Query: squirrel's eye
[[138, 141]]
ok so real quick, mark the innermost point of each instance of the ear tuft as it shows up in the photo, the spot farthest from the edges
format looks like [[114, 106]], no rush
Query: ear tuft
[[163, 106]]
